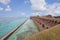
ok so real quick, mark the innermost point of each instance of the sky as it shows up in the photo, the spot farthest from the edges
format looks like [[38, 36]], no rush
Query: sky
[[26, 8]]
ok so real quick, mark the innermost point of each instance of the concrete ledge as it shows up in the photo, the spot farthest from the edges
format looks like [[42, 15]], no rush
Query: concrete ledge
[[11, 32]]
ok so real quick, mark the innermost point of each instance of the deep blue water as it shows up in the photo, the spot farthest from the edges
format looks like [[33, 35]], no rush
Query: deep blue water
[[8, 23]]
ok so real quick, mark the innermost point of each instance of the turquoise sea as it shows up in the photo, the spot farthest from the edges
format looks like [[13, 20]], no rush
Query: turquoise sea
[[9, 23]]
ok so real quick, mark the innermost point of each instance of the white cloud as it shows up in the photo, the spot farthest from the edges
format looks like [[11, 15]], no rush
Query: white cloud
[[26, 2], [8, 8], [1, 8], [38, 4], [35, 13], [53, 9], [5, 2], [58, 12], [23, 14], [41, 6]]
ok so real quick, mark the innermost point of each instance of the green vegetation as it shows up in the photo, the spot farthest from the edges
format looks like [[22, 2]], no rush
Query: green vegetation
[[57, 18], [49, 34]]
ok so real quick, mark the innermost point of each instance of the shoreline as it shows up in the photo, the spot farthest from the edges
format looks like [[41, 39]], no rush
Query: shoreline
[[11, 32]]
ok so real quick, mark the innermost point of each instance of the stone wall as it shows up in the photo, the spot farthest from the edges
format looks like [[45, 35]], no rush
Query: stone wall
[[44, 23]]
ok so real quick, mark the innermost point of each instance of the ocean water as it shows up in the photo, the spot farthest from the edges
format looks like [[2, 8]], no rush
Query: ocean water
[[9, 23]]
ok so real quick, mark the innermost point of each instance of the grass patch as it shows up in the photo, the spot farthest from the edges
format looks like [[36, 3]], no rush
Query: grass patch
[[57, 18], [49, 34]]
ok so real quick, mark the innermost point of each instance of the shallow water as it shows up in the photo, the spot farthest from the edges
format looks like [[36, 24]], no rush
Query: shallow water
[[27, 29], [6, 24]]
